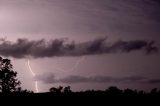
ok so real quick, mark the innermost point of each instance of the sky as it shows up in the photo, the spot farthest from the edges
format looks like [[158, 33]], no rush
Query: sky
[[86, 44]]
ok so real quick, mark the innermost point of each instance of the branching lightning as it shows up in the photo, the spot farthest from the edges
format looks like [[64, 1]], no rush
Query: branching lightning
[[59, 69], [33, 74], [74, 66], [78, 63]]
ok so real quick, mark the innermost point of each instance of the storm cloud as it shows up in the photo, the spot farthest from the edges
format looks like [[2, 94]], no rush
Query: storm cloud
[[154, 81], [50, 78], [23, 48], [74, 79]]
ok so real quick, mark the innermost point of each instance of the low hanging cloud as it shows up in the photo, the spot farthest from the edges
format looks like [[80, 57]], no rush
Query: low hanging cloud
[[74, 79], [23, 48], [154, 81]]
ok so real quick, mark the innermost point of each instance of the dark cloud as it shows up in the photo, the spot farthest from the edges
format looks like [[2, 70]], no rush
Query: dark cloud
[[82, 79], [133, 78], [46, 78], [50, 78], [23, 48], [73, 79], [150, 48], [154, 81], [156, 1]]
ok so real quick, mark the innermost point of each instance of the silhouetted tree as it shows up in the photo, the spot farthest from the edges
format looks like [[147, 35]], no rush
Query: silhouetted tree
[[129, 92], [53, 89], [154, 91], [110, 92], [67, 89], [114, 91], [20, 90], [141, 92], [60, 89], [8, 80], [56, 90]]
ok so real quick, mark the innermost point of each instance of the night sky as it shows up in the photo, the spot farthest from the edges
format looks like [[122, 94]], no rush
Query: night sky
[[86, 44]]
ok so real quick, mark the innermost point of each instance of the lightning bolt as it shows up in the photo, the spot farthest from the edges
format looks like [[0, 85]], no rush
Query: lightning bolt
[[78, 63], [33, 74], [59, 69], [74, 66]]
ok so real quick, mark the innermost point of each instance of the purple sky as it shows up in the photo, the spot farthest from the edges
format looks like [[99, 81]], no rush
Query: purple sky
[[126, 58]]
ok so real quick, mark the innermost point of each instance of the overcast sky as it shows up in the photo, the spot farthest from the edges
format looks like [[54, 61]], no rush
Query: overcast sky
[[87, 44]]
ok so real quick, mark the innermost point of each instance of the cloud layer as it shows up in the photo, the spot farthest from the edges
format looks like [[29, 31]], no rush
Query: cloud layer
[[74, 79], [23, 48]]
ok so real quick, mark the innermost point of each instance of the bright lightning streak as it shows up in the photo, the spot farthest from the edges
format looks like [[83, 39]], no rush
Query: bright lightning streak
[[36, 86], [31, 69], [60, 69], [33, 74]]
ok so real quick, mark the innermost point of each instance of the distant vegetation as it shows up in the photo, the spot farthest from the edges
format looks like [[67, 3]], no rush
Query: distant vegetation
[[111, 91]]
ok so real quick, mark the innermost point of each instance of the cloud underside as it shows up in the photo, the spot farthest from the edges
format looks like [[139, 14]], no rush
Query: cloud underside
[[74, 79], [23, 48]]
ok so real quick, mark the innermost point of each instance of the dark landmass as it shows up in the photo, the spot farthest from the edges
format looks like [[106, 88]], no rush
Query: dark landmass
[[112, 95], [62, 92]]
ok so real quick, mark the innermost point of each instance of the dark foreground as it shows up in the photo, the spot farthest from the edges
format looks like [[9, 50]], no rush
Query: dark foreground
[[81, 98]]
